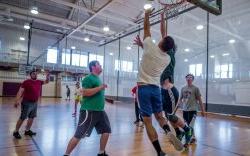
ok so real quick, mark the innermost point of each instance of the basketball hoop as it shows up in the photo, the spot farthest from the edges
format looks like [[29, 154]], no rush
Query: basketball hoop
[[173, 7]]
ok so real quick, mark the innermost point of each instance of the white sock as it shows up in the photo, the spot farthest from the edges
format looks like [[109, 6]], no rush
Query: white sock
[[101, 152]]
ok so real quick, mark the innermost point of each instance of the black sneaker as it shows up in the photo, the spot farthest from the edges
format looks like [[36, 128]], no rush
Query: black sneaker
[[162, 154], [103, 154], [180, 136], [17, 135], [136, 121], [30, 133]]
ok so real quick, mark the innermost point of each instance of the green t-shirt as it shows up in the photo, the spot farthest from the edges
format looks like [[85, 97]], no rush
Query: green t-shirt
[[169, 70], [94, 102]]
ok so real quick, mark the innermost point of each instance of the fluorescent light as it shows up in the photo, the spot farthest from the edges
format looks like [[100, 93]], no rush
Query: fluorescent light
[[73, 47], [22, 38], [225, 54], [34, 10], [153, 41], [86, 39], [186, 50], [9, 19], [199, 27], [212, 56], [26, 26], [186, 60], [111, 54], [106, 28], [128, 48], [231, 41], [147, 6]]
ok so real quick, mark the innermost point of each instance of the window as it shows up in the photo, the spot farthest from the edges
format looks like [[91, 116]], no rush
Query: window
[[52, 55], [66, 58], [223, 71], [126, 66], [83, 60], [99, 58], [195, 69], [116, 65], [75, 60]]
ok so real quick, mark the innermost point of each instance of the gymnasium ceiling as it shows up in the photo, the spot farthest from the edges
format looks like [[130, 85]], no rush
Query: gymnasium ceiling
[[65, 15]]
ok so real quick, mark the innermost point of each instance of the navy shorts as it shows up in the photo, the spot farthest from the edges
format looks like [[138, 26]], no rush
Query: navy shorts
[[149, 99]]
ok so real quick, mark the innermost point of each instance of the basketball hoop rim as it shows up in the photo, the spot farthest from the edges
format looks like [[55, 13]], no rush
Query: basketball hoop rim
[[168, 5]]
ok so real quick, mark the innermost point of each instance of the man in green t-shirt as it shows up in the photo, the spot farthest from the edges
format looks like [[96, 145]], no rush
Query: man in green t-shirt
[[92, 114]]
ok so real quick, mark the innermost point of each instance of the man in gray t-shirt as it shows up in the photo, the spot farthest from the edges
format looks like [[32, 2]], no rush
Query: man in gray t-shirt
[[190, 95], [190, 99]]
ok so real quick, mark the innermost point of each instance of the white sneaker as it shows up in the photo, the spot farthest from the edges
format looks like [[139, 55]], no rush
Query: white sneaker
[[176, 142]]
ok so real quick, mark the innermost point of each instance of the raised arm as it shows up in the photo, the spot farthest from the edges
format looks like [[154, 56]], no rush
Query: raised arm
[[163, 26], [147, 24], [47, 78]]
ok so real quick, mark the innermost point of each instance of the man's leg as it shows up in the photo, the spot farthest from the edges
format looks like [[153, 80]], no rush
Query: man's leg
[[177, 122], [84, 128], [136, 113], [102, 127], [173, 139], [103, 142], [29, 123], [18, 124], [23, 116], [153, 137], [72, 144], [31, 115]]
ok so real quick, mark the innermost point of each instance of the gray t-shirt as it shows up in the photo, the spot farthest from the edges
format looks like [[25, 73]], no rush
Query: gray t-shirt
[[189, 97]]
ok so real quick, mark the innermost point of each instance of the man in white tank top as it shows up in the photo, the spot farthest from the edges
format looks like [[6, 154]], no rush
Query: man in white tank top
[[154, 60]]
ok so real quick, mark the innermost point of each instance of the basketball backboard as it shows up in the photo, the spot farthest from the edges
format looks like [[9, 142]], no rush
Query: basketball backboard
[[212, 6]]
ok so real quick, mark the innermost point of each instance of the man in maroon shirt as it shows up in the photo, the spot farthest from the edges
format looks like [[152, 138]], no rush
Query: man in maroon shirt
[[28, 96]]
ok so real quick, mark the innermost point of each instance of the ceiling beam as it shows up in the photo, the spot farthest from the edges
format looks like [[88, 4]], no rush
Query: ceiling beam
[[50, 20], [72, 10], [89, 19], [103, 14]]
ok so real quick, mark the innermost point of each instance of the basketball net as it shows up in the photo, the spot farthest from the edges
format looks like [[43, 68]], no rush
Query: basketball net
[[173, 7]]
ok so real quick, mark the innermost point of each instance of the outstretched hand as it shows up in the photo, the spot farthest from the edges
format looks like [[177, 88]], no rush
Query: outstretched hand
[[137, 41]]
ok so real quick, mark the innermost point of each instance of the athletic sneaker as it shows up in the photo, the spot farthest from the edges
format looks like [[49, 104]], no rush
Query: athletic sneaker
[[188, 136], [176, 142], [180, 136], [17, 135], [30, 133], [193, 140], [103, 154], [136, 121]]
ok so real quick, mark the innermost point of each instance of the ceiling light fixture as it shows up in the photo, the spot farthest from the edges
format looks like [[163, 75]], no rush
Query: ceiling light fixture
[[231, 41], [86, 39], [147, 6], [34, 10], [199, 27], [22, 38], [26, 26]]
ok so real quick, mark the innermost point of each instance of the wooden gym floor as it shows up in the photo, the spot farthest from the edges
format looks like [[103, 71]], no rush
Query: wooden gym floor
[[217, 135]]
